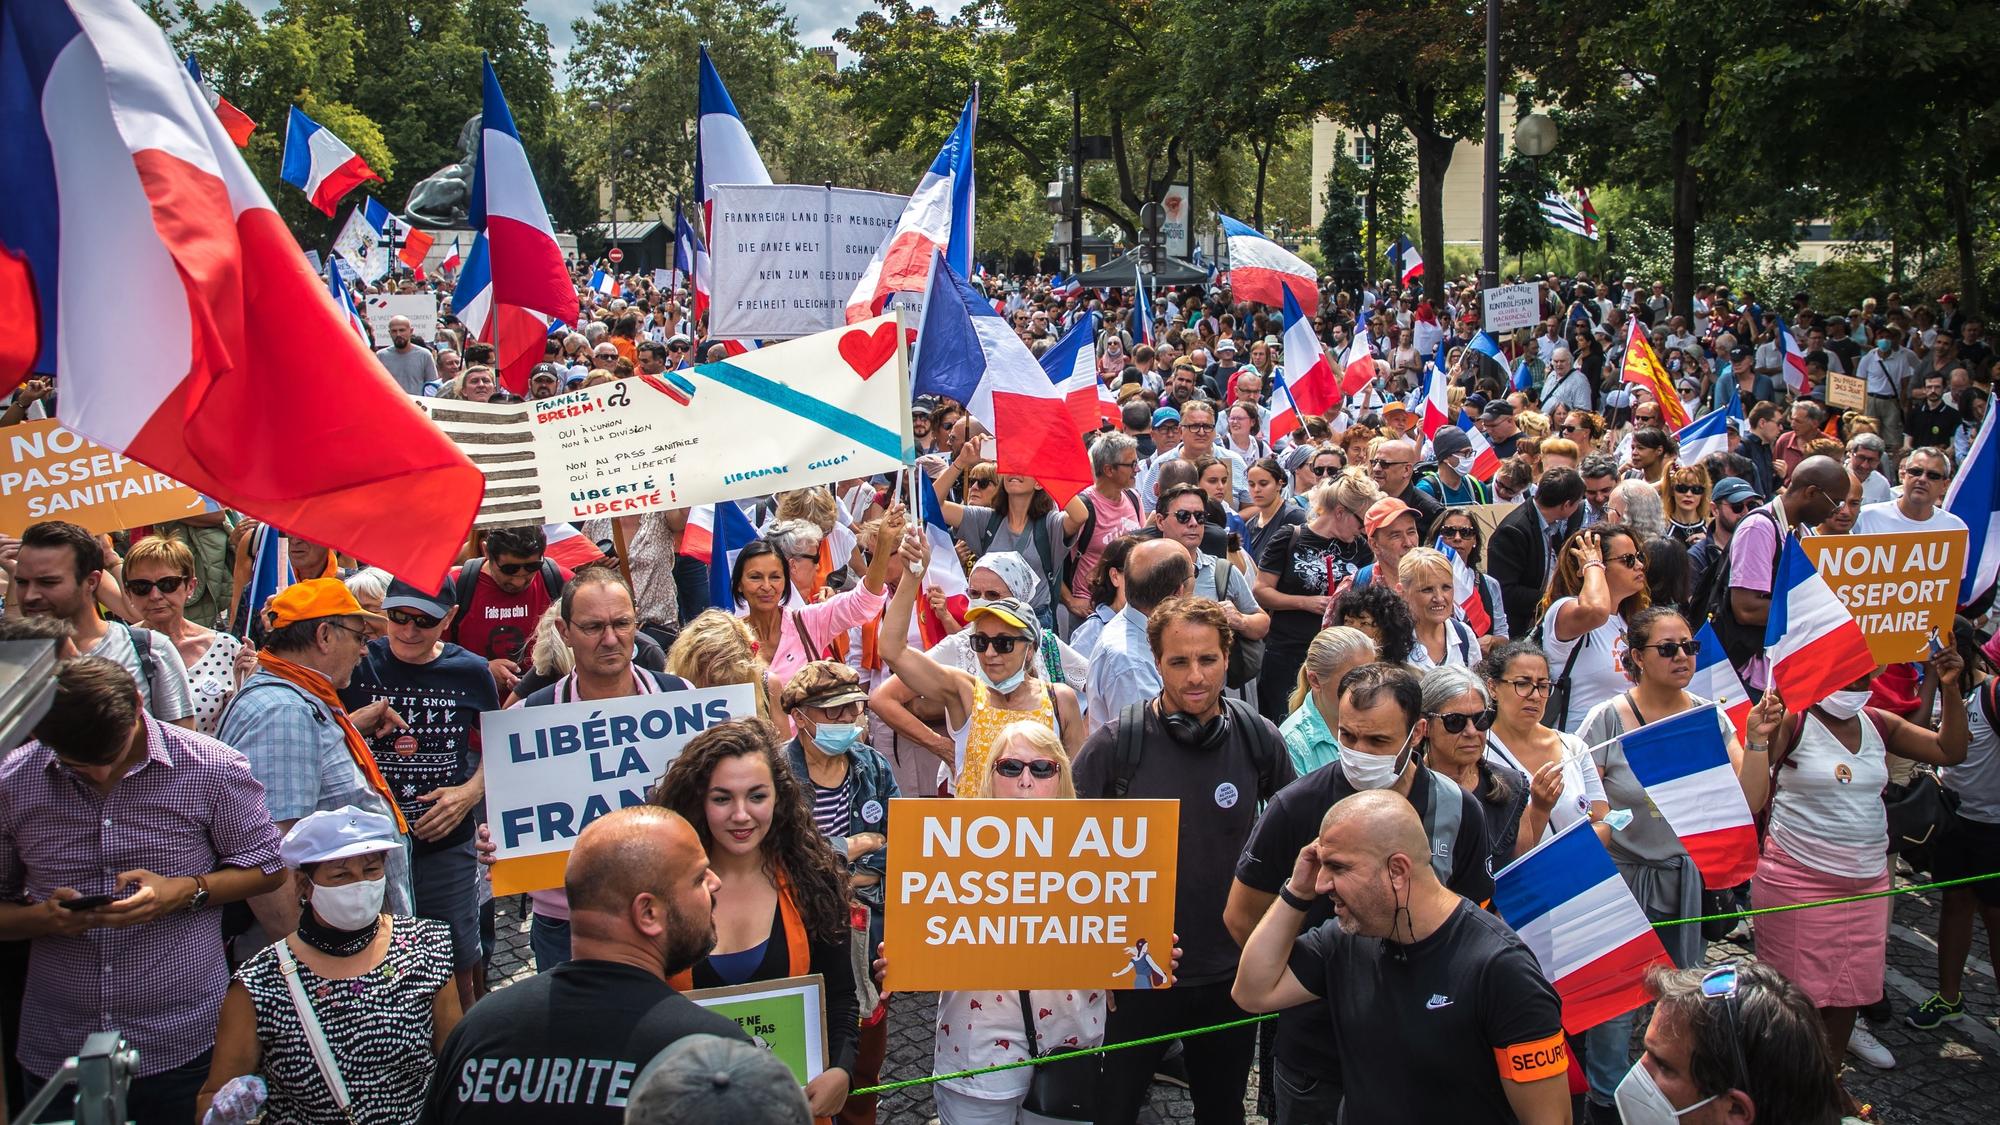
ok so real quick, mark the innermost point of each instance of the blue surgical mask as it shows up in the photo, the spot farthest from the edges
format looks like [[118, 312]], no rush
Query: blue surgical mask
[[836, 738], [1882, 344]]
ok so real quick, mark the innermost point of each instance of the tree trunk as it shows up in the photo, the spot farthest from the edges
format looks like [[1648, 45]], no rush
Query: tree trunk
[[1433, 161], [1263, 153], [1959, 194], [1686, 212], [1374, 134]]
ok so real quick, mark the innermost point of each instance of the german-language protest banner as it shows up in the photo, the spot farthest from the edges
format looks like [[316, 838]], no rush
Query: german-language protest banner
[[786, 256], [786, 1017], [831, 406], [53, 473], [421, 308], [1898, 586], [552, 770], [980, 890]]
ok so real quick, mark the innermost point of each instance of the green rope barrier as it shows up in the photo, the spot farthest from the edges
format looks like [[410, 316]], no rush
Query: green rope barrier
[[891, 1087]]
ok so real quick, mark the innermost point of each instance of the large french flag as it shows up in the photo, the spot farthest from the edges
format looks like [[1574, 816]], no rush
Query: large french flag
[[1813, 642], [1311, 384], [516, 333], [1569, 904], [1684, 765], [319, 163], [1357, 363], [936, 220], [967, 352], [1142, 316], [724, 153], [527, 263], [1708, 433], [943, 572], [1974, 497], [1795, 359], [1260, 270], [1715, 678], [1072, 368], [251, 386], [235, 122]]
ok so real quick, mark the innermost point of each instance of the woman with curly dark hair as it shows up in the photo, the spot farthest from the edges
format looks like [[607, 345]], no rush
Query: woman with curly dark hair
[[1382, 614], [783, 908]]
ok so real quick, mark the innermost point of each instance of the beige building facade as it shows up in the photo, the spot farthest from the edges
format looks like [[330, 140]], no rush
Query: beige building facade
[[1464, 181]]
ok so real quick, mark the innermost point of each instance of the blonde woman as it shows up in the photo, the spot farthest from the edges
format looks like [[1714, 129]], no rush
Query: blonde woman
[[1431, 594], [718, 648], [159, 580], [1315, 700]]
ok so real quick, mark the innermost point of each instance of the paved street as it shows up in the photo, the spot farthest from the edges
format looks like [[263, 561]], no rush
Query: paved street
[[1952, 1075]]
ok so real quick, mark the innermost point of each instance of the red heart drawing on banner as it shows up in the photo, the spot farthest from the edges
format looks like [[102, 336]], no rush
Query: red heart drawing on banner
[[866, 352]]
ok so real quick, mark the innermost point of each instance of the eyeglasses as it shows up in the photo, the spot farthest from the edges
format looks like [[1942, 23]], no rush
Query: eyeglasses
[[845, 713], [1455, 722], [1688, 490], [1198, 427], [593, 629], [167, 585], [677, 347], [1528, 689], [420, 620], [1720, 984], [989, 595], [362, 633], [1125, 465], [1572, 428], [1634, 560], [1671, 649], [1927, 474], [515, 570], [1457, 533], [1041, 768], [1185, 517], [1002, 643], [606, 357]]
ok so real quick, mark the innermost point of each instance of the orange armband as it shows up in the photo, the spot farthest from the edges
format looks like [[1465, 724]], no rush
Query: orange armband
[[1532, 1062]]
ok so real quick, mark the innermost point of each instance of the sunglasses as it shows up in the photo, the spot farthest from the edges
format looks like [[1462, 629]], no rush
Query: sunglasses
[[1458, 533], [1634, 560], [1002, 643], [1927, 474], [1688, 490], [515, 570], [1041, 768], [167, 585], [420, 620], [1671, 649], [1739, 506], [1455, 723], [1383, 463], [677, 347], [981, 483], [1720, 984], [1185, 518]]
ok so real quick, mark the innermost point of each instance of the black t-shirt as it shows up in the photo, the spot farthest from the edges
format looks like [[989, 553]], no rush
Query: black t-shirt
[[441, 701], [1928, 426], [1301, 566], [1431, 1035], [562, 1047], [1504, 448], [1219, 791], [1290, 822]]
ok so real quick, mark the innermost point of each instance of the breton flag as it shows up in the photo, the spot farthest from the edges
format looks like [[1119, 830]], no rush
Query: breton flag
[[1643, 368], [1311, 386], [1684, 764], [1406, 261], [724, 153], [1813, 643], [1715, 678], [1072, 368], [943, 572], [235, 122], [1795, 360], [937, 220], [1260, 270], [569, 547], [527, 263], [517, 334], [319, 163], [1562, 213], [1465, 589], [1357, 364], [452, 260], [966, 352], [343, 300], [1569, 904], [251, 387], [1708, 433], [1974, 496]]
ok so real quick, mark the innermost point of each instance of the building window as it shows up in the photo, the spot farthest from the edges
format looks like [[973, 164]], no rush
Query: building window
[[1364, 150]]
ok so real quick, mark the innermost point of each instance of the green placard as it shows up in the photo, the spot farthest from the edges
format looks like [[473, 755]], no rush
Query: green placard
[[786, 1016]]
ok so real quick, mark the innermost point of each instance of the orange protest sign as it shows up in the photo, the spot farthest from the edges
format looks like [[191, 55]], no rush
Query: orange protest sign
[[51, 473], [1898, 586], [981, 891]]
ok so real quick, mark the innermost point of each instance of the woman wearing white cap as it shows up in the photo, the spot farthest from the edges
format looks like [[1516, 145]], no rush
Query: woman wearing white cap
[[340, 1022]]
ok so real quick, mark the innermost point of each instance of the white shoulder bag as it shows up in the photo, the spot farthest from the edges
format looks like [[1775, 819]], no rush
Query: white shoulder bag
[[315, 1037]]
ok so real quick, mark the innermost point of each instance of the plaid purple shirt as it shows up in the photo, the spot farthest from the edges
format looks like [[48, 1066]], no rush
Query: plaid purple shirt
[[191, 807]]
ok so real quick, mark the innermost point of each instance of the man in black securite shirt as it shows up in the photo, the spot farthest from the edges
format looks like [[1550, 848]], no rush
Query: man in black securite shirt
[[1440, 1013], [564, 1047]]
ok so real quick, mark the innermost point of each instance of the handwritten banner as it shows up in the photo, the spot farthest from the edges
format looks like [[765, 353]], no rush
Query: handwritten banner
[[827, 407], [788, 255], [420, 308], [1898, 586], [552, 770], [1846, 392], [53, 473], [1512, 306], [786, 1017], [980, 890]]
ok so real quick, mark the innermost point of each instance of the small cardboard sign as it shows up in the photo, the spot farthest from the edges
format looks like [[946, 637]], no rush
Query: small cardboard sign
[[1846, 392]]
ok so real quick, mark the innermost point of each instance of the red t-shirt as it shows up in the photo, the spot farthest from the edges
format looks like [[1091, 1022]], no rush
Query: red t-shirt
[[501, 625]]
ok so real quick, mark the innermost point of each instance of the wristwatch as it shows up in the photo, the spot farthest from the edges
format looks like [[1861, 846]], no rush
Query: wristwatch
[[200, 898], [1295, 902]]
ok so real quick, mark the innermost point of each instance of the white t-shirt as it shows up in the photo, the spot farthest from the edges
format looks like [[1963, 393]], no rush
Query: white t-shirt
[[165, 694], [1886, 517], [1599, 672], [1582, 784]]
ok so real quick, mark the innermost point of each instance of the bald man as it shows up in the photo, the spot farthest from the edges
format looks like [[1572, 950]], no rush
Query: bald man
[[1440, 1012], [411, 364], [565, 1046], [1816, 487]]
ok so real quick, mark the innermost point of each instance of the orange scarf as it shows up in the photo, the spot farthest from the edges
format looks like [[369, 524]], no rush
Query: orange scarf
[[798, 950], [320, 688]]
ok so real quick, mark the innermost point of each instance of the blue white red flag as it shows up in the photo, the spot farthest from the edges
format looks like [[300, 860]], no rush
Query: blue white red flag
[[527, 263], [1281, 416], [343, 300], [1715, 678], [1974, 496], [1310, 381], [319, 163], [1708, 433], [452, 260], [603, 282], [235, 122], [270, 573], [716, 534], [1406, 261], [1813, 642], [1465, 583], [1357, 363], [1261, 270], [1684, 764], [1795, 360], [724, 153], [1485, 461], [943, 573], [937, 220], [1142, 317], [1072, 367]]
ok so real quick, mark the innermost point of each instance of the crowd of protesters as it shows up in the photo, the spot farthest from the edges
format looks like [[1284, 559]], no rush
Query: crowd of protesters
[[248, 836]]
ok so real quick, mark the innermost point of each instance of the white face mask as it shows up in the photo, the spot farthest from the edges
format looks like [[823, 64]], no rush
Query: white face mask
[[351, 905], [1462, 464], [1375, 771], [1640, 1101], [1845, 704]]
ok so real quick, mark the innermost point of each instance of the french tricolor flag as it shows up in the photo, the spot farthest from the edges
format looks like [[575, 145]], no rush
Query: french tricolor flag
[[570, 547], [1569, 904], [1974, 497], [1066, 288], [1437, 400], [1708, 433], [1795, 360], [527, 263], [235, 122], [716, 534], [452, 260], [1407, 259], [319, 163], [1465, 590], [724, 153], [1485, 461], [1311, 385], [1715, 678], [1142, 316], [1684, 765], [1813, 643], [343, 299], [1357, 363], [111, 154], [515, 332], [1260, 270], [1072, 368], [1281, 417], [943, 572], [937, 220], [602, 282]]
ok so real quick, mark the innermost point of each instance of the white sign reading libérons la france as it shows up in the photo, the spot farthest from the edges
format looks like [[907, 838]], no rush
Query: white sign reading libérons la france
[[1512, 306], [786, 256]]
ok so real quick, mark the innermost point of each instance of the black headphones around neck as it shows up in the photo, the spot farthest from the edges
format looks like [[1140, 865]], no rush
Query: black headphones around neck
[[1199, 734]]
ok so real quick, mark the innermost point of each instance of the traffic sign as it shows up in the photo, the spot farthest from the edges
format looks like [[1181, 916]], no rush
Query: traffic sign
[[615, 254]]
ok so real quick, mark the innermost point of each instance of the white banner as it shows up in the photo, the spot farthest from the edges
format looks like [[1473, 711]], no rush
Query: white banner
[[1178, 227], [828, 407], [786, 256], [1513, 306], [421, 308]]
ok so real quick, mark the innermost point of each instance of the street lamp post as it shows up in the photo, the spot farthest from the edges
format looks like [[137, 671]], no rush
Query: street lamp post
[[1489, 220]]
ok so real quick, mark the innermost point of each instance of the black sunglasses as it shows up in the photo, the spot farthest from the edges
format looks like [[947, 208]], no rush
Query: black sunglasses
[[167, 585], [1670, 649], [1927, 474], [1458, 533], [1185, 517], [1739, 506], [1455, 723], [1042, 768], [420, 620], [1002, 643], [677, 347], [1689, 489], [513, 570]]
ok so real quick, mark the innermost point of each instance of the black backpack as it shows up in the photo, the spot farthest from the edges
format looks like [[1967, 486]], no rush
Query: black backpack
[[1265, 746], [467, 583], [1083, 534], [1740, 642]]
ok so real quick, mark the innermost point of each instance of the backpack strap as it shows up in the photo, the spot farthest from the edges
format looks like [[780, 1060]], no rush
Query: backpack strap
[[551, 577], [1447, 816], [986, 536], [1266, 743], [464, 585], [142, 647], [1131, 731]]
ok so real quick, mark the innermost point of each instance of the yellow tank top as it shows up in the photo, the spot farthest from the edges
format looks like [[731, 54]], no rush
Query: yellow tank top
[[975, 738]]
